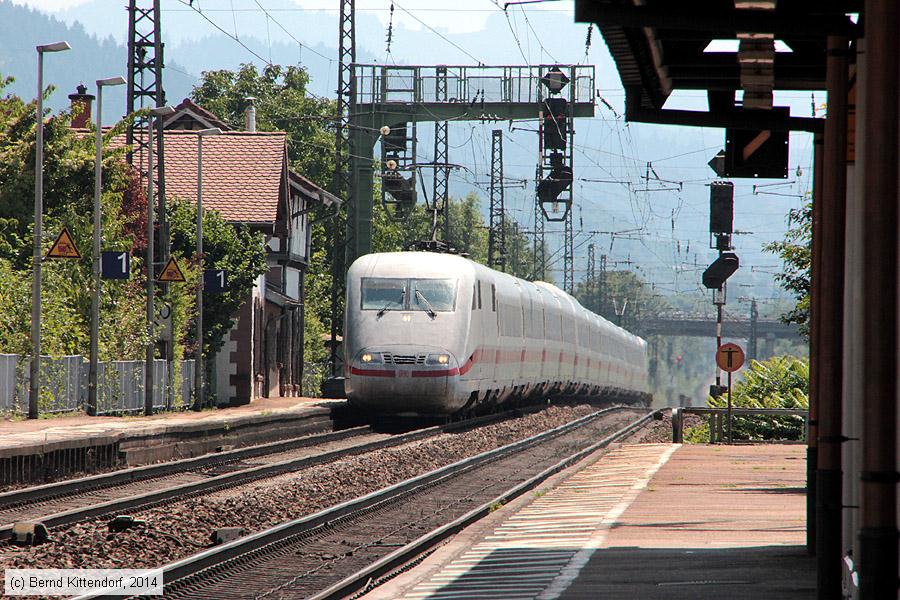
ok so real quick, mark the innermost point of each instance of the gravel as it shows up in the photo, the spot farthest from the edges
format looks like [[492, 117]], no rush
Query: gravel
[[660, 432], [177, 530]]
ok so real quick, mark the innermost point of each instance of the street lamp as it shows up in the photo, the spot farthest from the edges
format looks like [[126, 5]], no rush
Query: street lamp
[[619, 310], [158, 112], [95, 299], [35, 384], [198, 359]]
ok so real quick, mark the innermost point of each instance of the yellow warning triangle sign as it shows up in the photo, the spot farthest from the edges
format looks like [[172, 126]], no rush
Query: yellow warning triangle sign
[[171, 273], [64, 246]]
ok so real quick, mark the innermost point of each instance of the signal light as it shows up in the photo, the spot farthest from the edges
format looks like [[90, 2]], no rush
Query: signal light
[[720, 270], [394, 141], [555, 123], [721, 214], [555, 80], [398, 186], [559, 180]]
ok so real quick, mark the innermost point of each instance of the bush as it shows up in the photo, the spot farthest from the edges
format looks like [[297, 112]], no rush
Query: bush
[[780, 382]]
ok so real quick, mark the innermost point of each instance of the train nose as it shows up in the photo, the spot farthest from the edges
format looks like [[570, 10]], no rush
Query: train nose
[[397, 362], [404, 379]]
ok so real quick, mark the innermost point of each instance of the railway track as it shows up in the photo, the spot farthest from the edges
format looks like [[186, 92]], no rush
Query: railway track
[[74, 500], [339, 551]]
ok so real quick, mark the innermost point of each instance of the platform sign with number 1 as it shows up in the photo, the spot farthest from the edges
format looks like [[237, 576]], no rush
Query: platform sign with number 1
[[215, 281], [115, 264]]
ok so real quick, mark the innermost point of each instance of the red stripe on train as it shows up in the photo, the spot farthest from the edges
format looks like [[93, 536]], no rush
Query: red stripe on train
[[372, 372]]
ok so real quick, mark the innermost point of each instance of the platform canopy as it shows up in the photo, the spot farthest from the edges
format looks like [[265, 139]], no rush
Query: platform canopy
[[721, 46]]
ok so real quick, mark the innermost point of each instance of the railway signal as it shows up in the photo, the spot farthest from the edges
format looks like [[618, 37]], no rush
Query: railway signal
[[720, 270], [556, 123], [756, 153], [721, 214], [558, 181]]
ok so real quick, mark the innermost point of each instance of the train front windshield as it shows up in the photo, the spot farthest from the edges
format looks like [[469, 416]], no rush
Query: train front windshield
[[385, 293]]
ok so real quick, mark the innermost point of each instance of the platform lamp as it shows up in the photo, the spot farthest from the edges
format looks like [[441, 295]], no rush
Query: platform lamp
[[95, 298], [35, 383], [155, 113], [198, 357]]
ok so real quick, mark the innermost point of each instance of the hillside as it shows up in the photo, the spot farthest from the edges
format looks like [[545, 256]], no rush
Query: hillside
[[90, 58]]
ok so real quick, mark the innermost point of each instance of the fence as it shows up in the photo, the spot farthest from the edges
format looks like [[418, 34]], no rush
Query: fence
[[64, 384], [718, 417]]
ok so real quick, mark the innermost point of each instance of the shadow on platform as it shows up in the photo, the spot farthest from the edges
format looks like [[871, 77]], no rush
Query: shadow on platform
[[751, 573]]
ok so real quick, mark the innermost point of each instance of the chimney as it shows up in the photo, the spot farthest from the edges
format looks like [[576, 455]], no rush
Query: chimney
[[250, 115], [81, 107]]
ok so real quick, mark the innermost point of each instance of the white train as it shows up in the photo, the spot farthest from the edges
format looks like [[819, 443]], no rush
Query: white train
[[428, 333]]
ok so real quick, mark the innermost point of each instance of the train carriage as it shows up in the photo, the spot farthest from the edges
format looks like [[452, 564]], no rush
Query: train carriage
[[430, 334]]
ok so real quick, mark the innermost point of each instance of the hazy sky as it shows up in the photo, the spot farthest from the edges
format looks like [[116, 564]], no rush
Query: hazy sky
[[459, 16]]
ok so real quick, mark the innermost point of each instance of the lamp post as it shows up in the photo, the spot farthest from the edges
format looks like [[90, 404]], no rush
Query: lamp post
[[620, 310], [95, 299], [151, 332], [35, 384], [198, 357]]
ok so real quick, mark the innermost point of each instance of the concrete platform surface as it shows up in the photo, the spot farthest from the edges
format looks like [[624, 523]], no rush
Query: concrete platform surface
[[646, 521], [20, 437]]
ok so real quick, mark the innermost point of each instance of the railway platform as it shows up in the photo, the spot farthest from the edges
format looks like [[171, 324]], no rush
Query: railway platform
[[648, 521], [30, 449]]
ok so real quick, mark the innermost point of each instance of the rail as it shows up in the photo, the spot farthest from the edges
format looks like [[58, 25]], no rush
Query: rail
[[718, 417]]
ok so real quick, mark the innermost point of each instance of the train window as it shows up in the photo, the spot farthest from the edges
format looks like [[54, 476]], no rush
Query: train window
[[383, 293], [479, 294], [493, 298], [438, 295], [510, 321], [568, 329]]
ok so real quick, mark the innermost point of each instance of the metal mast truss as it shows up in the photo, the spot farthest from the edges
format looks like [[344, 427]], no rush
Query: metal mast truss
[[145, 90], [389, 95], [601, 286], [341, 184], [497, 218], [539, 249], [569, 255], [441, 195], [591, 287]]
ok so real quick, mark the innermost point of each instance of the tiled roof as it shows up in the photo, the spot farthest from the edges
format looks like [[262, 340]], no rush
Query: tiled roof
[[188, 109], [241, 172]]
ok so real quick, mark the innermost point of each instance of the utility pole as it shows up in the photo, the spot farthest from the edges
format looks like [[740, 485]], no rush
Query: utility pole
[[497, 218], [343, 150], [145, 90], [601, 286], [441, 190], [516, 265], [591, 279], [754, 332], [538, 249], [569, 255]]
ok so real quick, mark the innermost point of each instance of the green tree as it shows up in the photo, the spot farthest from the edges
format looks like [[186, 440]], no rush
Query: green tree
[[282, 104], [780, 382], [795, 251], [236, 249], [68, 201]]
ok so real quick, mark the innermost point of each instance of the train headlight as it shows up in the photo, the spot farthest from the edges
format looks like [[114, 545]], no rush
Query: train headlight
[[370, 358], [437, 359]]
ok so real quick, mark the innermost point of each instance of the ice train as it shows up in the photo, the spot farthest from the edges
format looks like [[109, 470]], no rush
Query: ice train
[[434, 334]]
